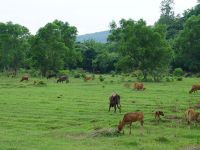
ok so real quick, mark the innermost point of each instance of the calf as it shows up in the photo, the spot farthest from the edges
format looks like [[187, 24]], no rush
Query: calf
[[87, 78], [191, 115], [115, 101], [194, 88], [131, 117], [24, 78], [139, 86], [158, 114], [63, 78]]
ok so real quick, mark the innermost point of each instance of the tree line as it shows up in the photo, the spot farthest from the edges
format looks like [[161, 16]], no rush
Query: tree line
[[172, 42]]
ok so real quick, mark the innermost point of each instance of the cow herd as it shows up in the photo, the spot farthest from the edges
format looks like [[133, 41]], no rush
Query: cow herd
[[129, 118]]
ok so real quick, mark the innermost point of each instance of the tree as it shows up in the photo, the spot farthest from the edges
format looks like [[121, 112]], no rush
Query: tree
[[14, 46], [141, 47], [53, 47], [187, 48], [167, 11]]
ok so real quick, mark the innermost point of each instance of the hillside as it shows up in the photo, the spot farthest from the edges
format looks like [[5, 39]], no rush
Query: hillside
[[97, 36]]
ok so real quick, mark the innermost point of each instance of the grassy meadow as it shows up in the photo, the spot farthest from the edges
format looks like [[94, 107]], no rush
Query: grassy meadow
[[75, 115]]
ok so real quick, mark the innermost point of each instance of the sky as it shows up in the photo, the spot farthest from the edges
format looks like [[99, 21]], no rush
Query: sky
[[87, 15]]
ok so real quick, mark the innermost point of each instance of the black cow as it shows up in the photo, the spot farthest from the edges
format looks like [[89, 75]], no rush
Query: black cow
[[115, 102], [63, 78]]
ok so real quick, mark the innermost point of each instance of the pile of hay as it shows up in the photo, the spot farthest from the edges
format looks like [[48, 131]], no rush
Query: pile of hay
[[105, 132], [39, 83]]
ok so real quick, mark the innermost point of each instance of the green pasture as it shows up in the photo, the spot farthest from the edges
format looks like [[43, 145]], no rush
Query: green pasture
[[75, 115]]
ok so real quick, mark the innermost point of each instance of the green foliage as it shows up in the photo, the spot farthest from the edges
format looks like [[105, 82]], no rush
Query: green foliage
[[179, 78], [77, 75], [169, 79], [64, 72], [141, 47], [101, 78], [14, 46], [187, 46], [178, 72], [53, 46]]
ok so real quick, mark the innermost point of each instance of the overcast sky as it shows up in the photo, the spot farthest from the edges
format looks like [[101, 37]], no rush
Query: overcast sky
[[87, 15]]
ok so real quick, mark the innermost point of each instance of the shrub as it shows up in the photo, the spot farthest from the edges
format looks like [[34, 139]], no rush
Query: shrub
[[179, 78], [101, 78], [77, 75], [93, 76], [178, 72], [138, 74], [169, 79], [64, 72]]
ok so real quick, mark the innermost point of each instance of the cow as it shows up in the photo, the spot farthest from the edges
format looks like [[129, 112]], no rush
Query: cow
[[24, 78], [129, 118], [63, 78], [194, 88], [114, 100], [191, 115], [139, 86], [158, 114], [51, 76], [87, 78]]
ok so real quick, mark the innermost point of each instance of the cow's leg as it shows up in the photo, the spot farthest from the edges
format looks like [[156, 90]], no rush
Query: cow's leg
[[119, 107], [115, 108], [130, 128]]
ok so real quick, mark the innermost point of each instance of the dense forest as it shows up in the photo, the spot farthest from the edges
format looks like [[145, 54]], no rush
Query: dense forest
[[172, 42]]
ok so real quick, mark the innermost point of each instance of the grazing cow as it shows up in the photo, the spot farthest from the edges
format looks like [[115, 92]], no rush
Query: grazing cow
[[51, 76], [139, 86], [129, 118], [87, 78], [158, 114], [24, 78], [194, 88], [115, 101], [63, 78], [191, 115], [12, 74]]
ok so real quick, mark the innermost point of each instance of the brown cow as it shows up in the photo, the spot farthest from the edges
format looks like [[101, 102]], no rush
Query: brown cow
[[24, 78], [87, 78], [158, 114], [115, 102], [131, 117], [139, 86], [191, 115], [194, 88]]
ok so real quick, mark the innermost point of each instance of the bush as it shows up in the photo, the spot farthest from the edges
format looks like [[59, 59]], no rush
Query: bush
[[64, 72], [169, 79], [93, 76], [179, 78], [178, 72], [77, 75], [138, 74], [112, 74], [101, 78]]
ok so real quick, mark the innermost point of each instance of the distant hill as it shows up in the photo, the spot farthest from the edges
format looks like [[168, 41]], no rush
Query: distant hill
[[97, 36]]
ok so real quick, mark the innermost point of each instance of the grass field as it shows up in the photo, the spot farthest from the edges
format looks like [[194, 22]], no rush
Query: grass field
[[75, 115]]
